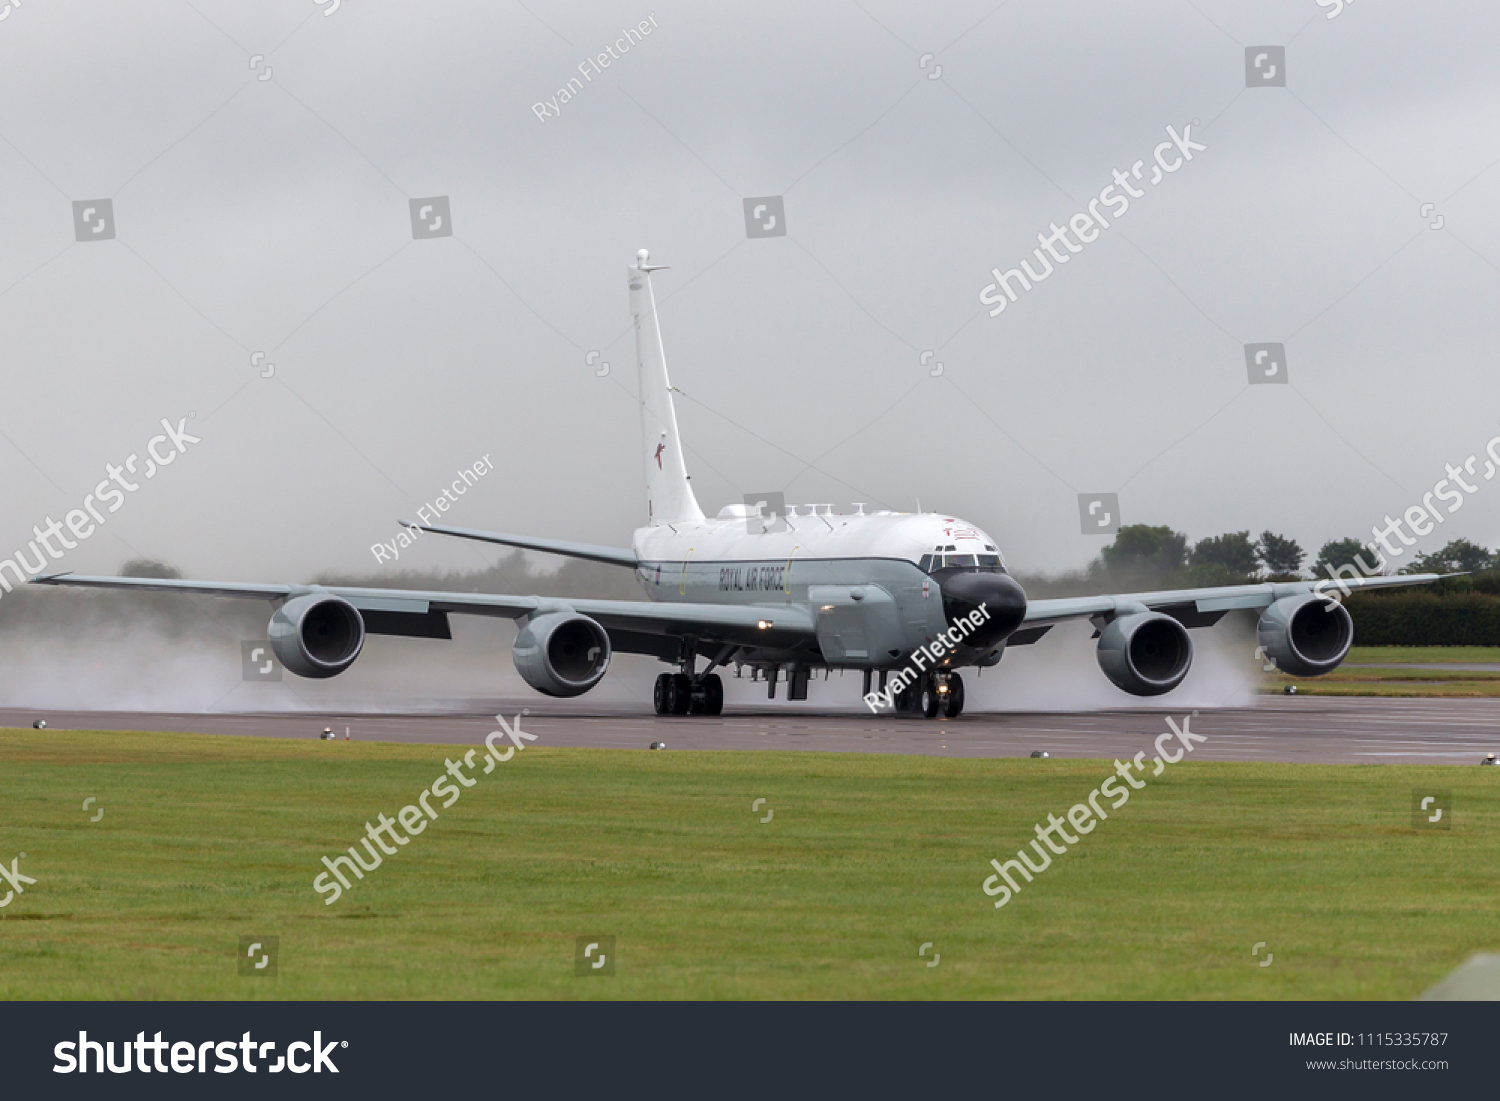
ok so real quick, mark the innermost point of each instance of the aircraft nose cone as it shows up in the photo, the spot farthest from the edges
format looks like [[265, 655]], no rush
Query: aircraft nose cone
[[997, 593]]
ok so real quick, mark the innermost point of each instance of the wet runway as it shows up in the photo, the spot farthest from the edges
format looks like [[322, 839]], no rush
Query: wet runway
[[1277, 728]]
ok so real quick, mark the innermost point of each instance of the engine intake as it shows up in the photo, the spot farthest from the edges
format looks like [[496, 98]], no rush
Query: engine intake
[[1307, 635], [1145, 653], [562, 653], [317, 635]]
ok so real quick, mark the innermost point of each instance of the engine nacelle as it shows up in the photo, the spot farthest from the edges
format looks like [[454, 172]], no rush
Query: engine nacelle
[[1307, 635], [1145, 653], [317, 635], [562, 653]]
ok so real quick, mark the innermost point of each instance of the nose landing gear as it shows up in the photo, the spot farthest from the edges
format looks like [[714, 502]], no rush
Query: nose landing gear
[[935, 694], [951, 705]]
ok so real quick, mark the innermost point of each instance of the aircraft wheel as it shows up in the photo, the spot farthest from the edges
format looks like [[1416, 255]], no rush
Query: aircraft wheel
[[659, 694], [679, 694], [930, 700], [713, 695], [953, 702], [902, 701], [912, 700]]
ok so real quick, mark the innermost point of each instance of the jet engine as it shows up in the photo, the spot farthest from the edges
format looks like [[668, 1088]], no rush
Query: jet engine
[[1307, 635], [317, 635], [561, 653], [1145, 653]]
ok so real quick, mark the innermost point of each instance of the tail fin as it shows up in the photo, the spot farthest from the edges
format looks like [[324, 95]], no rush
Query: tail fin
[[669, 492]]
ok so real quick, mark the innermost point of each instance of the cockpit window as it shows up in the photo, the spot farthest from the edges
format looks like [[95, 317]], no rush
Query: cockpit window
[[931, 563]]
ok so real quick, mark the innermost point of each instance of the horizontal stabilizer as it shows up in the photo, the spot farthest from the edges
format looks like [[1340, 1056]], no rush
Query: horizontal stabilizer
[[615, 556]]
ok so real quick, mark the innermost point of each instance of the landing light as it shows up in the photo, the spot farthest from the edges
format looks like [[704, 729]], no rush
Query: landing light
[[765, 625]]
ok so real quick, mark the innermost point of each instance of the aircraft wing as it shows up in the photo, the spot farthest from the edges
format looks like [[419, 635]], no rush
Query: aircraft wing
[[1202, 607], [643, 625]]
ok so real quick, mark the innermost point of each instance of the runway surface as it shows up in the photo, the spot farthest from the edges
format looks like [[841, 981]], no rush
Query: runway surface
[[1277, 728]]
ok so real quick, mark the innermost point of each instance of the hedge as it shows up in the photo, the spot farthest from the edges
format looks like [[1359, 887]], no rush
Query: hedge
[[1425, 619]]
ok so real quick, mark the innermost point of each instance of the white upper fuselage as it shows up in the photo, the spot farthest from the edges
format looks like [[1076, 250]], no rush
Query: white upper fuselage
[[735, 537]]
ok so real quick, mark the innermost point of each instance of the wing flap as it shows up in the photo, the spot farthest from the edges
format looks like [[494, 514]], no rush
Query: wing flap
[[407, 624]]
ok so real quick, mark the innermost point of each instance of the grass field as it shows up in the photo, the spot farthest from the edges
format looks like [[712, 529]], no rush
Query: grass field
[[1423, 653], [205, 839], [1350, 681]]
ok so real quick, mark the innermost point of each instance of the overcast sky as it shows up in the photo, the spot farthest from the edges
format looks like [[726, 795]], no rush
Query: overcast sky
[[273, 215]]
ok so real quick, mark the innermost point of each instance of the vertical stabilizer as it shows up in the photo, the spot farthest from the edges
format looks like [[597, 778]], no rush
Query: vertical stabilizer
[[669, 494]]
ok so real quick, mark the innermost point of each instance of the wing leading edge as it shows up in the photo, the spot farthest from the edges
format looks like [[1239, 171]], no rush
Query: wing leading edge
[[1206, 602], [775, 626]]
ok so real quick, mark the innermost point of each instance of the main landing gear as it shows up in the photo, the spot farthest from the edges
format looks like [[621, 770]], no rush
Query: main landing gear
[[690, 692], [676, 694], [933, 695]]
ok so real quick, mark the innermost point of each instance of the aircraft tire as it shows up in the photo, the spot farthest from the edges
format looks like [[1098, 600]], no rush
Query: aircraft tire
[[713, 695], [953, 702], [659, 694], [679, 694], [907, 701], [929, 700]]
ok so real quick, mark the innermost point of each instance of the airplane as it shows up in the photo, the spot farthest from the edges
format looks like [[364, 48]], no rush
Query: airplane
[[786, 594]]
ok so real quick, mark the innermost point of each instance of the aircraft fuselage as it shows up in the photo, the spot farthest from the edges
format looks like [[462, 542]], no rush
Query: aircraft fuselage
[[879, 585]]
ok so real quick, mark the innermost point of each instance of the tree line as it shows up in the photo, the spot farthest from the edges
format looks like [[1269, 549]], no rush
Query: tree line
[[1145, 556]]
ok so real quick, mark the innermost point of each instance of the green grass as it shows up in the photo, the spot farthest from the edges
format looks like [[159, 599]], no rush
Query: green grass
[[208, 838], [1344, 681], [1396, 690], [1423, 653], [1347, 680]]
